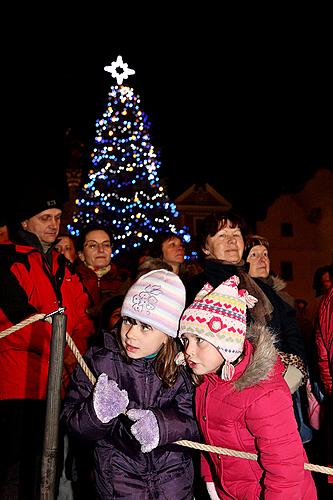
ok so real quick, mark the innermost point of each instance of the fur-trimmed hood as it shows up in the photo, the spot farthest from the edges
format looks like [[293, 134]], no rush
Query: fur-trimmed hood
[[278, 283], [262, 358]]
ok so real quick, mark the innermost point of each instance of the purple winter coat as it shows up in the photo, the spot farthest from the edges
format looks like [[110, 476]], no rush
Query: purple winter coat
[[121, 469]]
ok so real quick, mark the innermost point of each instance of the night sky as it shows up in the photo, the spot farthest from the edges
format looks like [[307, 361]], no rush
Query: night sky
[[253, 119]]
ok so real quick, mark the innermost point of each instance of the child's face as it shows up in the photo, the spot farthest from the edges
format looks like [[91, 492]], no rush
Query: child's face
[[201, 356], [139, 339]]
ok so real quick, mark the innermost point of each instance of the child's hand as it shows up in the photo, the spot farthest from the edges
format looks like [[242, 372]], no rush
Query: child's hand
[[109, 401], [145, 429]]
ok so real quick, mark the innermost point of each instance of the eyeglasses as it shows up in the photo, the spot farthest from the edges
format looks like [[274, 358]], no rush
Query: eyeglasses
[[93, 245]]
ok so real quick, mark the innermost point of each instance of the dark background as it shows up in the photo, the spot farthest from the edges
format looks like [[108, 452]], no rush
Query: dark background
[[250, 113]]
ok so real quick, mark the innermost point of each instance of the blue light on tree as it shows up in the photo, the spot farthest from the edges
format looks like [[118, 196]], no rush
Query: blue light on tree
[[123, 187]]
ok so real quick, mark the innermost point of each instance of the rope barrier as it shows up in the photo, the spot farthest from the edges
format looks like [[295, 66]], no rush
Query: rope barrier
[[80, 359], [244, 454], [22, 324], [70, 341], [189, 444]]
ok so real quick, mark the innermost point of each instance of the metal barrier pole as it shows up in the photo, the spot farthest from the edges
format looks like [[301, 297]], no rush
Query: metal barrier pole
[[53, 407]]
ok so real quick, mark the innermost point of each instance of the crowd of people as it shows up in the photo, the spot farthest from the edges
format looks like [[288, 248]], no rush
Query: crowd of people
[[221, 355]]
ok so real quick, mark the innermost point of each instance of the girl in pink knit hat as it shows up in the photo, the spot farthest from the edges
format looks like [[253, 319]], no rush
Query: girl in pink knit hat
[[242, 400]]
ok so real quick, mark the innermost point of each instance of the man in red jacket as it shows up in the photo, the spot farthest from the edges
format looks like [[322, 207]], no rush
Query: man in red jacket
[[34, 278]]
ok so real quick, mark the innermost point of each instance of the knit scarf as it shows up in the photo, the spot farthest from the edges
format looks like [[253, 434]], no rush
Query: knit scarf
[[99, 272]]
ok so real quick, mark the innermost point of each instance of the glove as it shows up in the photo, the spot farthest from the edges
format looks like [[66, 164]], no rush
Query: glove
[[145, 430], [293, 377], [212, 491], [108, 400]]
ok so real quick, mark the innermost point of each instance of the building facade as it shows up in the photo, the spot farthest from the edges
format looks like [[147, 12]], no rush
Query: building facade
[[299, 227]]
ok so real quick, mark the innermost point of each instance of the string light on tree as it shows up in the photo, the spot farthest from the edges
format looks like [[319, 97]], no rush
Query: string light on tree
[[123, 187]]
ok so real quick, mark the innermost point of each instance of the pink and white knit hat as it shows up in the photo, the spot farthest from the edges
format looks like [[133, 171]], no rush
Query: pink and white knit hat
[[219, 317], [158, 299]]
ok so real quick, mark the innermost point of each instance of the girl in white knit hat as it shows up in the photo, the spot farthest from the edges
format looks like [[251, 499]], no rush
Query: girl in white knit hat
[[242, 400], [142, 401]]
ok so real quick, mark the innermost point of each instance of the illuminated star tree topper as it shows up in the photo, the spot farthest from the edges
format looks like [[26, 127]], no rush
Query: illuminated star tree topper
[[123, 189], [125, 70]]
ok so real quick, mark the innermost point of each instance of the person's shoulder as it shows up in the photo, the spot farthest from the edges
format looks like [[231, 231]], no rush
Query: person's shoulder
[[193, 285], [272, 386], [11, 253], [265, 287], [327, 298], [107, 340], [272, 295], [185, 379], [7, 248], [196, 279], [326, 303], [104, 348]]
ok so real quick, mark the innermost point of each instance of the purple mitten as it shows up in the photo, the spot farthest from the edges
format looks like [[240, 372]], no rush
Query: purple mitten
[[145, 429], [109, 401]]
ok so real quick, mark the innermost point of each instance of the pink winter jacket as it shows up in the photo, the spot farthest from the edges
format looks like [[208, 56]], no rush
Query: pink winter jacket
[[253, 413]]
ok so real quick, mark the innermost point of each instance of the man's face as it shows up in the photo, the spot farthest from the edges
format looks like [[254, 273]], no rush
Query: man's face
[[44, 225]]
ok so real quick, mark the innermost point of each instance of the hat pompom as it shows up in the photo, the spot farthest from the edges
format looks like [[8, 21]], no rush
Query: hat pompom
[[180, 359], [228, 370], [250, 300]]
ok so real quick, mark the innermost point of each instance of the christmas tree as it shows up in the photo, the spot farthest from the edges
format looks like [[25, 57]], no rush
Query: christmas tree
[[123, 190]]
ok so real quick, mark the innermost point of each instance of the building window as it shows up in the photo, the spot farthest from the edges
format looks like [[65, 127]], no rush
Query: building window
[[286, 271], [287, 229]]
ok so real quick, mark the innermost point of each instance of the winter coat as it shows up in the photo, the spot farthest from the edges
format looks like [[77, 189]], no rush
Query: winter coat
[[283, 319], [29, 286], [103, 287], [324, 341], [121, 469], [279, 286], [253, 413]]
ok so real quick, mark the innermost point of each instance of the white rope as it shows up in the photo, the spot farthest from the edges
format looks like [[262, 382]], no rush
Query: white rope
[[190, 444], [22, 324]]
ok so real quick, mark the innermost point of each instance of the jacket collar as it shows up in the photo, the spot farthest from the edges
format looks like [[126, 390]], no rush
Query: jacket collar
[[257, 364], [260, 356]]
